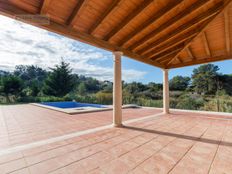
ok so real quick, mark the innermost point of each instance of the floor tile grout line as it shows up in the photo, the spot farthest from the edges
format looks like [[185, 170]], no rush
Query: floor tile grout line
[[68, 152], [162, 148], [112, 147], [99, 151], [67, 136], [218, 147], [188, 150], [77, 148]]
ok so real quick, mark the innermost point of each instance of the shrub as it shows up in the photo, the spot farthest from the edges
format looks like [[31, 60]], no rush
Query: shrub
[[104, 98]]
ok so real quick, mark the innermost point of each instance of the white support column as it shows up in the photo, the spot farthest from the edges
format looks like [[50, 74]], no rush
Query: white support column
[[117, 90], [165, 92]]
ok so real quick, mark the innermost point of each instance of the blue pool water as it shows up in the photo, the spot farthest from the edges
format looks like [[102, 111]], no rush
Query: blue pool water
[[64, 105]]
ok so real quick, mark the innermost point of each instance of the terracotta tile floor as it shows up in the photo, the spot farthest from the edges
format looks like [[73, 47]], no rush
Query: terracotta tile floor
[[176, 143], [22, 124]]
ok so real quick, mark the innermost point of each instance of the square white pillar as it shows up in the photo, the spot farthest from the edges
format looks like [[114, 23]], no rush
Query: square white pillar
[[117, 90], [165, 92]]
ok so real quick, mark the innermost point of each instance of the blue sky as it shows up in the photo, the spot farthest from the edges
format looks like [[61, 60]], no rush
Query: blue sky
[[24, 44]]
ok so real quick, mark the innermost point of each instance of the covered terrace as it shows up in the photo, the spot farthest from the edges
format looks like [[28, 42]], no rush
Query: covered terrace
[[162, 33]]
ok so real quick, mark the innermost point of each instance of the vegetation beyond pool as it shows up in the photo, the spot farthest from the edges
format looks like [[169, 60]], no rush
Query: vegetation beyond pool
[[205, 90]]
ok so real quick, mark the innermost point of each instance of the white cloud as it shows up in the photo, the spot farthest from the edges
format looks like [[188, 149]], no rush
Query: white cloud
[[26, 45]]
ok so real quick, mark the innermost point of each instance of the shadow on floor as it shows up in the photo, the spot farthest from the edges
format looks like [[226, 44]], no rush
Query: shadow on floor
[[199, 139]]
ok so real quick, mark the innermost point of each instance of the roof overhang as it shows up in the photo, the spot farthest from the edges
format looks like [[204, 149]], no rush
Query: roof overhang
[[162, 33]]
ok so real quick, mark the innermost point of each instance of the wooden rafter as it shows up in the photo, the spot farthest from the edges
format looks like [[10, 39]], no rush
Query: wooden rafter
[[166, 55], [151, 20], [44, 6], [225, 4], [195, 22], [177, 58], [206, 44], [166, 45], [166, 52], [200, 61], [167, 59], [75, 12], [130, 17], [190, 53], [227, 31], [168, 23], [10, 10], [103, 16]]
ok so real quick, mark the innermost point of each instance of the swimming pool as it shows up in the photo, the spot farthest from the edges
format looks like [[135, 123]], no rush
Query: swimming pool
[[71, 104], [72, 107]]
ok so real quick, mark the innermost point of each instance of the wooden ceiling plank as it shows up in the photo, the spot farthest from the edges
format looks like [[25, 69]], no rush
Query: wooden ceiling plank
[[167, 59], [190, 53], [75, 12], [227, 31], [103, 16], [166, 52], [195, 22], [171, 21], [166, 55], [225, 4], [8, 9], [201, 61], [164, 47], [126, 20], [44, 6], [149, 21], [171, 61], [179, 59], [206, 44]]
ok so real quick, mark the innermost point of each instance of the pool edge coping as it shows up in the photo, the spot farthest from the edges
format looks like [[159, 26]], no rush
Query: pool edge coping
[[73, 111]]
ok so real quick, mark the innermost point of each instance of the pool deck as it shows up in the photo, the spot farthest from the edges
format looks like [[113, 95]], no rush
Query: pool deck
[[177, 143], [22, 124]]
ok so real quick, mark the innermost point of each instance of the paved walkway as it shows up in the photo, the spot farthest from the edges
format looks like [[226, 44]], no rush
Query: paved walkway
[[22, 124], [178, 143]]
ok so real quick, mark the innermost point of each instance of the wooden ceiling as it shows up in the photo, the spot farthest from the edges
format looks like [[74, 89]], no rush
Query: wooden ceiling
[[162, 33]]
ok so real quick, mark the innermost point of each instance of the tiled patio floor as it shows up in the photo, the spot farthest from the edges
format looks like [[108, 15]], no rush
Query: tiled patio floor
[[178, 143], [22, 124]]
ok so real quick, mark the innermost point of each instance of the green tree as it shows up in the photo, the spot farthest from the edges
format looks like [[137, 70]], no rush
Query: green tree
[[82, 89], [179, 83], [30, 73], [60, 81], [204, 79], [11, 85], [34, 88], [225, 83]]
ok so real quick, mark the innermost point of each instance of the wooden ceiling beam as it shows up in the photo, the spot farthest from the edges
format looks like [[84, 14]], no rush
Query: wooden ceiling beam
[[167, 59], [44, 6], [202, 29], [10, 10], [75, 12], [130, 17], [171, 21], [201, 61], [206, 44], [149, 21], [171, 52], [103, 16], [177, 58], [227, 31], [166, 52], [195, 22], [174, 42]]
